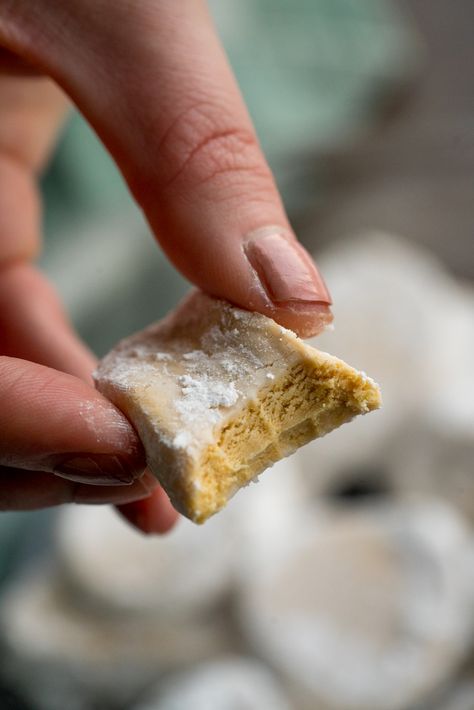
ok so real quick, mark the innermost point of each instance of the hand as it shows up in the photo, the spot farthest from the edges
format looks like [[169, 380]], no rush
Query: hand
[[153, 81]]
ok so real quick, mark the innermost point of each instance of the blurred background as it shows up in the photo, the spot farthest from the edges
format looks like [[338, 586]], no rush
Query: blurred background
[[345, 579]]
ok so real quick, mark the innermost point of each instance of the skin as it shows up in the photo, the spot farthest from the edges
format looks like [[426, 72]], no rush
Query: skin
[[154, 83]]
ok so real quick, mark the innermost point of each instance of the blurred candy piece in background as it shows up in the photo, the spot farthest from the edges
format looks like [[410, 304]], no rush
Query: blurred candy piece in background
[[233, 682], [403, 317], [364, 610]]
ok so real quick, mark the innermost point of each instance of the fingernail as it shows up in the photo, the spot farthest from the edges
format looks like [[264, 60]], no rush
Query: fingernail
[[97, 469], [285, 269]]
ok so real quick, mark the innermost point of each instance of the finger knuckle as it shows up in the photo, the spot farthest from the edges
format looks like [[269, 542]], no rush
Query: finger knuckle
[[200, 148]]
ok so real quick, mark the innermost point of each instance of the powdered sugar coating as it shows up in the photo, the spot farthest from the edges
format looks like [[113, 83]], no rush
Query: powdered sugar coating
[[182, 440], [202, 371], [200, 395], [192, 370], [211, 388]]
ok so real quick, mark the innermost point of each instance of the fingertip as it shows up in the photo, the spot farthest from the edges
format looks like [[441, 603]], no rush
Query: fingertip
[[88, 494], [287, 283], [50, 419], [32, 490], [268, 272], [306, 320], [153, 515]]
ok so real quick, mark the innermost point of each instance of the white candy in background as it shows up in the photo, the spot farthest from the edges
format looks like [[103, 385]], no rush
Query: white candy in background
[[450, 401], [366, 611], [119, 609], [183, 573], [265, 513], [389, 303], [61, 656], [400, 316], [234, 683], [437, 455], [118, 568]]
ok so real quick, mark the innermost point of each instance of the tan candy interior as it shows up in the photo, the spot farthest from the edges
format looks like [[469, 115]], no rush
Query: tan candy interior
[[293, 410]]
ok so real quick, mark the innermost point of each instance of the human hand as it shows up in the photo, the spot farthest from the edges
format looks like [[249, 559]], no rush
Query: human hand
[[153, 81]]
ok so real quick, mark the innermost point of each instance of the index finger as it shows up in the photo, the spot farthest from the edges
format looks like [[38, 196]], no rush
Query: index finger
[[153, 80]]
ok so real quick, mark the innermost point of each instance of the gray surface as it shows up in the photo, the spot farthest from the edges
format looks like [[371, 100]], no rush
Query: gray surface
[[414, 174]]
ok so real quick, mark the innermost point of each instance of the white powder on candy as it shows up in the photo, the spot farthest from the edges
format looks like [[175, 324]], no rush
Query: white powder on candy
[[366, 378], [214, 339], [208, 386], [230, 367], [194, 355], [182, 440], [162, 357], [211, 371], [199, 396]]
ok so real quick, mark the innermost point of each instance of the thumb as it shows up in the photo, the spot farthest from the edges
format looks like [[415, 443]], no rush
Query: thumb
[[153, 80]]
